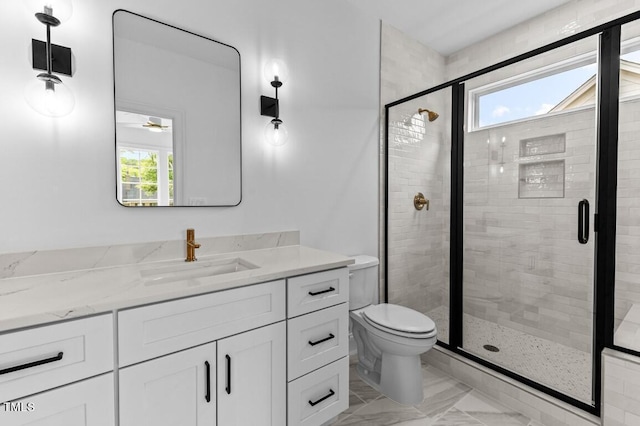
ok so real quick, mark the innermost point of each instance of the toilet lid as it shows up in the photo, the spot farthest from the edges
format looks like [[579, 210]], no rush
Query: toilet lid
[[399, 318]]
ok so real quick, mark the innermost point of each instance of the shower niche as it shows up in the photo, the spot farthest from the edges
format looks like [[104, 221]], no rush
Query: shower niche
[[541, 179]]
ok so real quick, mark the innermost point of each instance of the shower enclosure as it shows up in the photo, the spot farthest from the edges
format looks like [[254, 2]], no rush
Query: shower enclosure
[[526, 255]]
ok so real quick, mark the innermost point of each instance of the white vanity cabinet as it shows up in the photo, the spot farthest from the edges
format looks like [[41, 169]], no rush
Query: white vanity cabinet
[[177, 389], [54, 375], [252, 378], [318, 347], [218, 356], [86, 403], [266, 354]]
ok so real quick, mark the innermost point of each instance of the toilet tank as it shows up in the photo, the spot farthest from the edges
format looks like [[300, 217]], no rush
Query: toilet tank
[[363, 281]]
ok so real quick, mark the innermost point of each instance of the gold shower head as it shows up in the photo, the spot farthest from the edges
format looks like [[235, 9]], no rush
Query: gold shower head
[[431, 114]]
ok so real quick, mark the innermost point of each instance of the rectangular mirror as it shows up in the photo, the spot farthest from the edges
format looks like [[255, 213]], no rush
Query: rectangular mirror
[[178, 128]]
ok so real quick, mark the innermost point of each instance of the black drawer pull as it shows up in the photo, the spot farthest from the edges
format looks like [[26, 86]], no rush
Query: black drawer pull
[[317, 342], [329, 395], [315, 293], [228, 388], [207, 372], [32, 364]]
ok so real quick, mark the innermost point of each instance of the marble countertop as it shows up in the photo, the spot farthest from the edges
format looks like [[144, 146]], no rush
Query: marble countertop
[[40, 299]]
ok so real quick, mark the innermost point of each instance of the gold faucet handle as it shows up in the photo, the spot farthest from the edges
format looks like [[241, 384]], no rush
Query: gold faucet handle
[[191, 245], [419, 202]]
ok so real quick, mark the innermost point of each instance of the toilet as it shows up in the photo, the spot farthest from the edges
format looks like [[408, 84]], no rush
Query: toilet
[[389, 338]]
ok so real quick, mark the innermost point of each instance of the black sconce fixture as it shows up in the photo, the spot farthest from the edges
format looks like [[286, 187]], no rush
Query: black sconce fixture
[[52, 98], [275, 133]]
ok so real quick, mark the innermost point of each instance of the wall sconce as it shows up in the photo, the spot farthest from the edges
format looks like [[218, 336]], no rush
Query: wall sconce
[[502, 144], [48, 95], [275, 132]]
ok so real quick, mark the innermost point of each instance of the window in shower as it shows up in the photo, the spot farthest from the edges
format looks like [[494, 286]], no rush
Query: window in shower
[[527, 281], [552, 89], [419, 161]]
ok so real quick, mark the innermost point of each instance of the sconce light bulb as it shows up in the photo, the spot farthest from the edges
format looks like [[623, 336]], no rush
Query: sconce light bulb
[[501, 169], [504, 138], [52, 100], [276, 70], [488, 141], [276, 133], [61, 9]]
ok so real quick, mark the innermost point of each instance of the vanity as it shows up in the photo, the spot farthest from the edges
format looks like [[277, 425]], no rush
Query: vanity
[[255, 337]]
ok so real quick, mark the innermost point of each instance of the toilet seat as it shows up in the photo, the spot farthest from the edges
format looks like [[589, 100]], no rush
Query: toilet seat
[[400, 321]]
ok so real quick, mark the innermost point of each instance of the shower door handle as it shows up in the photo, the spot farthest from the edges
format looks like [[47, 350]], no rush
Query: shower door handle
[[228, 387], [583, 222]]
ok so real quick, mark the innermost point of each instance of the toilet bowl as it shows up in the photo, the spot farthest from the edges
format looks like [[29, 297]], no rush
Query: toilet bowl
[[389, 338]]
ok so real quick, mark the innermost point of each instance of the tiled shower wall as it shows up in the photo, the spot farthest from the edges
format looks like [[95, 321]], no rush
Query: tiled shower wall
[[418, 162], [621, 389], [556, 24], [628, 221], [523, 266]]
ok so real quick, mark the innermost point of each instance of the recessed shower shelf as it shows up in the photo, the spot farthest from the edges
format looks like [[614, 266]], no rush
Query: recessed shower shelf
[[543, 145], [542, 179]]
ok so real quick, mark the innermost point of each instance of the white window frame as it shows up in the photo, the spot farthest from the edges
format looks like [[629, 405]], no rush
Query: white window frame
[[473, 95], [516, 80], [162, 196]]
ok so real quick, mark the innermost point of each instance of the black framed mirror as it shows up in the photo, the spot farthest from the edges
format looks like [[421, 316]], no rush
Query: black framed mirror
[[177, 113]]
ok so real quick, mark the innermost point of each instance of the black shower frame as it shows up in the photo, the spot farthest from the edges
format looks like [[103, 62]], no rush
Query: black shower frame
[[604, 216]]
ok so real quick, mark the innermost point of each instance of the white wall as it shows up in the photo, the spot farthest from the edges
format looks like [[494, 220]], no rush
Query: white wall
[[59, 174]]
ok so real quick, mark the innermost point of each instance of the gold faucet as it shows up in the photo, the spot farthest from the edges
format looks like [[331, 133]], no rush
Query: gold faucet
[[191, 245]]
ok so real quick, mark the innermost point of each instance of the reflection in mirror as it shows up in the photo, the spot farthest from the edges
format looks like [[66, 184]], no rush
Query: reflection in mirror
[[145, 166], [177, 100]]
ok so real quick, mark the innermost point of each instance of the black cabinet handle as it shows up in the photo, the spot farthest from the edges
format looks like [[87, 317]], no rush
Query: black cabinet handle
[[228, 388], [583, 222], [315, 293], [329, 395], [317, 342], [32, 364], [207, 372]]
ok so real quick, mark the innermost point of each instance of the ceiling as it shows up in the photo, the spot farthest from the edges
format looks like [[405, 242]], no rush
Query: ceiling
[[448, 26]]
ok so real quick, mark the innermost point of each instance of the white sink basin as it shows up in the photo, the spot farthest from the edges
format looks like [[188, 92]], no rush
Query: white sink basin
[[180, 270]]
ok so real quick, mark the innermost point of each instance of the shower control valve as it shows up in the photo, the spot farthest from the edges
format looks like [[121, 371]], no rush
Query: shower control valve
[[419, 202]]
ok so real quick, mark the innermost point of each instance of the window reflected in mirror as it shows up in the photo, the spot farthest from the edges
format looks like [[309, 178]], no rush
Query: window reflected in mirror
[[145, 166]]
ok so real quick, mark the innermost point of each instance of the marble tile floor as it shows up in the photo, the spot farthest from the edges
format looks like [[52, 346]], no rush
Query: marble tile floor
[[447, 402], [552, 364]]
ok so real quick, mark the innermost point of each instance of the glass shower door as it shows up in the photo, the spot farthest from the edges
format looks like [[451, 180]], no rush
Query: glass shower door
[[419, 162], [627, 283], [528, 202]]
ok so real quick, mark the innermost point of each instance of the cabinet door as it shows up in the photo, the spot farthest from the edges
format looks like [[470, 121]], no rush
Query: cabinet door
[[252, 378], [86, 403], [177, 389]]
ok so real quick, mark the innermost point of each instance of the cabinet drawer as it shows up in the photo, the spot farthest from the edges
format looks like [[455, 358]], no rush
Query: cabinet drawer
[[49, 356], [159, 329], [308, 293], [317, 339], [319, 396], [86, 403]]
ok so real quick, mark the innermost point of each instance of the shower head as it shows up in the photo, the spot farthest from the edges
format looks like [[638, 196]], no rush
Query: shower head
[[431, 114]]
